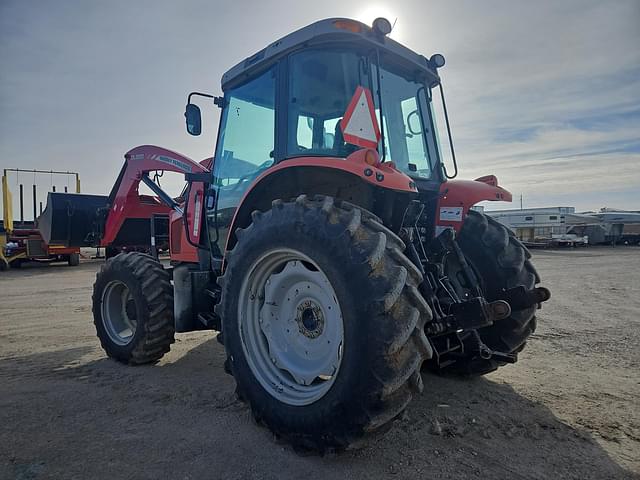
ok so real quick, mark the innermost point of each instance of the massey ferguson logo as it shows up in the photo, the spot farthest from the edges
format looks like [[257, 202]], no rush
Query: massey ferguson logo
[[185, 167]]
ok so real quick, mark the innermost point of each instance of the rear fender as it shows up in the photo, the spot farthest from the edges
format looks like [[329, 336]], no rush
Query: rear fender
[[458, 196], [350, 179]]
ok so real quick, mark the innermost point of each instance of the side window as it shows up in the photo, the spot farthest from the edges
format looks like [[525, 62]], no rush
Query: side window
[[329, 132], [248, 131], [406, 142], [304, 135], [413, 130]]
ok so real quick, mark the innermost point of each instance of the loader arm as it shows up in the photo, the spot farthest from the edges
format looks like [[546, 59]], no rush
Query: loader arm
[[126, 203]]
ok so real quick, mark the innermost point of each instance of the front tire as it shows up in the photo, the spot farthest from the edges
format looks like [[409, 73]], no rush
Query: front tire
[[133, 308], [501, 262], [324, 256]]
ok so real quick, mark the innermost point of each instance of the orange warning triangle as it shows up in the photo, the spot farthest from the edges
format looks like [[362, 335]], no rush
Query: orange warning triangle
[[359, 124]]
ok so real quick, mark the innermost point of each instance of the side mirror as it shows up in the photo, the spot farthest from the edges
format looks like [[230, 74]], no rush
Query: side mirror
[[194, 120]]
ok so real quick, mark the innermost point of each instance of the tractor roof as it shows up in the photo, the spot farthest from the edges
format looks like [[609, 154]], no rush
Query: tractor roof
[[330, 30]]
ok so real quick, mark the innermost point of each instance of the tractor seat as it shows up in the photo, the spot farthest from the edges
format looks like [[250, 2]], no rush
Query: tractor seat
[[340, 147]]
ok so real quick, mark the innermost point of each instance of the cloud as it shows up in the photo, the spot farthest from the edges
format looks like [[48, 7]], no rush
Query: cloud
[[556, 110], [543, 94]]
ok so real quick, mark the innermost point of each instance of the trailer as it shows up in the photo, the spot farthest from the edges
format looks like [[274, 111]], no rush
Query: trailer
[[21, 240]]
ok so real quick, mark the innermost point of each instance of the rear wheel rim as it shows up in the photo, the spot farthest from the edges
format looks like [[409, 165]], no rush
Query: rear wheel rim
[[291, 327], [119, 313]]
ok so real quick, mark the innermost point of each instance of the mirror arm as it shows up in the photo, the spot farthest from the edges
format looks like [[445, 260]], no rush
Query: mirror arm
[[218, 101], [198, 94]]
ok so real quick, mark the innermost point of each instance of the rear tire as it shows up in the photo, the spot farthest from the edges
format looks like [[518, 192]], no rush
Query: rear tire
[[74, 260], [501, 262], [382, 315], [133, 308]]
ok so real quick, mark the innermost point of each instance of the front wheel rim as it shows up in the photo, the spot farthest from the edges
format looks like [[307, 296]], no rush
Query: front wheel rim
[[119, 313], [291, 327]]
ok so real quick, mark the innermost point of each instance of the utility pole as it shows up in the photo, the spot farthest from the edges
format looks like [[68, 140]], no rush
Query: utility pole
[[520, 201]]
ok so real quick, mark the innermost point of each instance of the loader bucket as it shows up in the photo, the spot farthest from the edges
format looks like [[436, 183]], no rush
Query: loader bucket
[[71, 219]]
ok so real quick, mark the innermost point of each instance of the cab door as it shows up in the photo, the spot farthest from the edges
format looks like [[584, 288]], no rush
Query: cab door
[[246, 145]]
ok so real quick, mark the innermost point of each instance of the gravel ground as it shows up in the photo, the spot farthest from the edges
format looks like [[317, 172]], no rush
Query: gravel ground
[[568, 409]]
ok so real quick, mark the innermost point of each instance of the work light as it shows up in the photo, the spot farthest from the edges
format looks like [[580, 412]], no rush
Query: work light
[[382, 26]]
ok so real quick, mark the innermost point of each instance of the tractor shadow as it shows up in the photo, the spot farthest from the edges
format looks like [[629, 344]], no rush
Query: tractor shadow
[[461, 428], [486, 426]]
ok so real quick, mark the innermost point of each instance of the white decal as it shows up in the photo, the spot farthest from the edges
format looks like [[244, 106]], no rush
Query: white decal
[[185, 167], [196, 217], [451, 214]]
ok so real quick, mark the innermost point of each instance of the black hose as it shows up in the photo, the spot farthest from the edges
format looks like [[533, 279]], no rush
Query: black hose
[[453, 152]]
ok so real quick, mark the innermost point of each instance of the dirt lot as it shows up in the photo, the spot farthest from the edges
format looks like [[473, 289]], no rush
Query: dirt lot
[[568, 409]]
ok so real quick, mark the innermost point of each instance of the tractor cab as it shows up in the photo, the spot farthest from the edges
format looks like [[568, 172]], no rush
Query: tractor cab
[[319, 94]]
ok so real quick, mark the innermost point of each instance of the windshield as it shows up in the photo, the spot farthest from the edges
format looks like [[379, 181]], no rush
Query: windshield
[[321, 85]]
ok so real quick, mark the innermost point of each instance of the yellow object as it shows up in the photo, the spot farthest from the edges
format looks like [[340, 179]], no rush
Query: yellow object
[[5, 262], [7, 204], [371, 157]]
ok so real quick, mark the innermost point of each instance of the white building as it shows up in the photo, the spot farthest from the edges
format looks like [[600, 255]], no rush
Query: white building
[[562, 225], [542, 225]]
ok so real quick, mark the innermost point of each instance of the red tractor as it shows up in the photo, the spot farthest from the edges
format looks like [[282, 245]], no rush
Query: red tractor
[[326, 244]]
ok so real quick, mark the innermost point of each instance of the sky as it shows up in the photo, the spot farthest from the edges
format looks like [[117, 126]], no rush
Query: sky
[[545, 95]]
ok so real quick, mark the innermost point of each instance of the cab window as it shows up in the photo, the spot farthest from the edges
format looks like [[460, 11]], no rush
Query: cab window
[[246, 142]]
